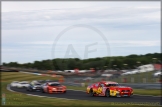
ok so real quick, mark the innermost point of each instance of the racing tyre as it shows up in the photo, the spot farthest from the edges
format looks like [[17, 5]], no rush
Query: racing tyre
[[91, 93], [42, 91], [107, 93]]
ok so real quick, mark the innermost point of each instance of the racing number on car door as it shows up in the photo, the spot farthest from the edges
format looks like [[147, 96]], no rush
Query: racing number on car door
[[100, 88]]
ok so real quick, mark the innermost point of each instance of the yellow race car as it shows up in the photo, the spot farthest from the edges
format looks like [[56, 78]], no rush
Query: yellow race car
[[109, 88]]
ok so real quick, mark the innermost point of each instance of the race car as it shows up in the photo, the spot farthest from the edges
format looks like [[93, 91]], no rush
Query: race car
[[34, 87], [22, 84], [53, 87], [109, 88], [14, 83]]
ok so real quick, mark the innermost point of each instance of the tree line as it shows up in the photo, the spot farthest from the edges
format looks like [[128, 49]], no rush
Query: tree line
[[114, 62]]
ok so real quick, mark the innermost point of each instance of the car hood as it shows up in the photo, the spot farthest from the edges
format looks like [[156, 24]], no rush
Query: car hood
[[58, 86], [120, 87], [37, 85]]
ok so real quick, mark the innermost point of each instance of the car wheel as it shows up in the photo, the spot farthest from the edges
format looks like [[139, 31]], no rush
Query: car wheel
[[91, 93], [64, 91], [107, 93], [42, 91]]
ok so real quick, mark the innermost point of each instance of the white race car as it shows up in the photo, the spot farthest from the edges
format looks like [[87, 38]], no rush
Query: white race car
[[134, 72], [23, 84], [157, 74], [126, 73], [14, 83]]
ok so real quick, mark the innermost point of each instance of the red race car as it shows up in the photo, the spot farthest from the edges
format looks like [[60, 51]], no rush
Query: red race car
[[109, 88], [53, 87]]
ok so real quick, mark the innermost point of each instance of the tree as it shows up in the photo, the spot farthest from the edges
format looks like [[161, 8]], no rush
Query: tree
[[72, 63]]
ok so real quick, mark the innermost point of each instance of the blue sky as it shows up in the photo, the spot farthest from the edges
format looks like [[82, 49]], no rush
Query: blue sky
[[30, 29]]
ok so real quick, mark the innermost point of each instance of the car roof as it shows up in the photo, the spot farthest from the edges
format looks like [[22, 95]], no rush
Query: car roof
[[108, 82], [37, 83], [105, 82], [24, 82], [53, 82]]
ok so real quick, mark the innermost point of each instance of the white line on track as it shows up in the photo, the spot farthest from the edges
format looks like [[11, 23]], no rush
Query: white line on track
[[8, 88], [51, 97]]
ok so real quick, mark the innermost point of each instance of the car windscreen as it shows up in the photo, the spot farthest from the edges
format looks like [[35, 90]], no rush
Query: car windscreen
[[37, 84], [55, 84], [23, 83], [108, 85]]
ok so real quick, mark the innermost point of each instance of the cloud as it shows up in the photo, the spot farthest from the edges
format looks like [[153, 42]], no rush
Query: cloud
[[29, 31], [115, 43], [98, 15]]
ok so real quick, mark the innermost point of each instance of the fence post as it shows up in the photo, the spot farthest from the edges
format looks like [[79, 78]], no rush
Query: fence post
[[121, 79], [83, 84], [144, 80], [157, 80], [124, 80], [132, 79]]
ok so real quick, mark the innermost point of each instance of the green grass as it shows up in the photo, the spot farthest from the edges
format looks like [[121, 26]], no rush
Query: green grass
[[20, 99]]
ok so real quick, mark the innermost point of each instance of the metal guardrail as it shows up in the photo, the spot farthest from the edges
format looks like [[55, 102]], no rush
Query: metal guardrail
[[143, 86], [72, 84], [136, 86]]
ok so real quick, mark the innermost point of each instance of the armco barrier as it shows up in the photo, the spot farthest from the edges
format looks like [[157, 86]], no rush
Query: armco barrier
[[72, 84], [136, 86], [143, 86]]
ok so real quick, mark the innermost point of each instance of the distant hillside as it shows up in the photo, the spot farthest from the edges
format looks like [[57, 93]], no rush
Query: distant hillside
[[116, 62]]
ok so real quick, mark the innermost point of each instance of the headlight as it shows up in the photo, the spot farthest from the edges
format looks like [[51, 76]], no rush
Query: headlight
[[53, 88], [117, 91], [34, 88]]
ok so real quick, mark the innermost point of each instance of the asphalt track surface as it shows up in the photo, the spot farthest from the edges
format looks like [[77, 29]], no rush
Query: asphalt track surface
[[81, 95]]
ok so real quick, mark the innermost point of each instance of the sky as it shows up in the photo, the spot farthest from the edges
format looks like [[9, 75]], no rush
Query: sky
[[46, 30]]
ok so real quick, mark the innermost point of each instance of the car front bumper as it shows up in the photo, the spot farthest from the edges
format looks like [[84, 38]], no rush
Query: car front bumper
[[121, 94], [57, 91]]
